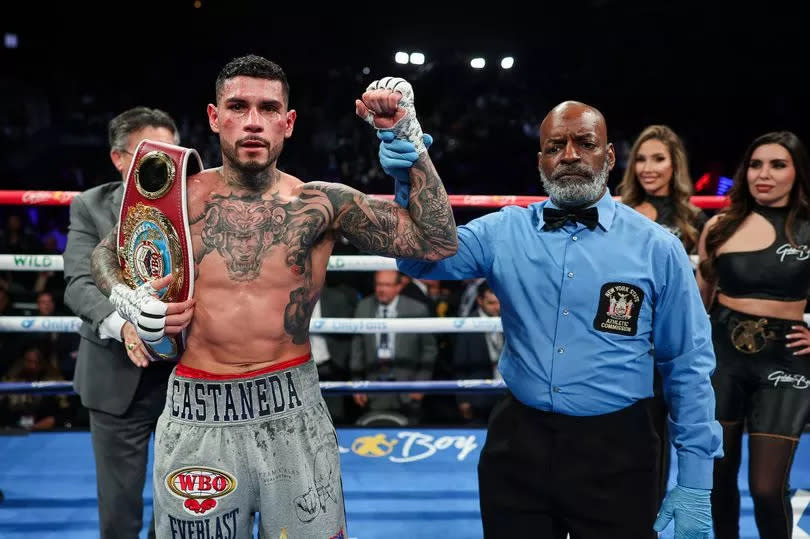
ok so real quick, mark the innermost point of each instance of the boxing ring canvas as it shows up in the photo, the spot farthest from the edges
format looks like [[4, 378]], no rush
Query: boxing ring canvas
[[399, 483]]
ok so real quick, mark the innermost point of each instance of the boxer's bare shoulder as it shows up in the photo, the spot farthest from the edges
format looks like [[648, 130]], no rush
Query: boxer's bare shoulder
[[199, 188]]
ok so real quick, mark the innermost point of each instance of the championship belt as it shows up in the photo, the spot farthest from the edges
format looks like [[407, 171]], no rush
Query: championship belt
[[153, 236]]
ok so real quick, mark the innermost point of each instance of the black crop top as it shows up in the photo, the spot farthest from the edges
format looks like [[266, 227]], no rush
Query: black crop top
[[665, 210], [779, 272]]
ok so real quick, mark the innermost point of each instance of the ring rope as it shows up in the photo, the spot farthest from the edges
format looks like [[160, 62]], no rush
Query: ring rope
[[63, 198], [29, 262], [336, 263], [328, 388], [473, 324]]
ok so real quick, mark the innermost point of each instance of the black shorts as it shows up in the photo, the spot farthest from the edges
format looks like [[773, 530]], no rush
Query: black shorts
[[757, 378]]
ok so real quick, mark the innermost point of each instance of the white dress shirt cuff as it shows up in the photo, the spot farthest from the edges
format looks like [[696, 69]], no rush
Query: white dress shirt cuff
[[110, 327]]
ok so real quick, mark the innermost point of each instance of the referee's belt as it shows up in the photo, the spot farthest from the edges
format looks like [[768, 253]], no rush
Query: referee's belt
[[153, 236]]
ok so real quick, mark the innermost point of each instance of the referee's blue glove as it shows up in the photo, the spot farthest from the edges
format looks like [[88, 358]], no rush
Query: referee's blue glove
[[691, 508], [397, 156]]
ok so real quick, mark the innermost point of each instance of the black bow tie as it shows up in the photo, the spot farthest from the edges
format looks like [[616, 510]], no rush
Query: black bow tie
[[555, 218]]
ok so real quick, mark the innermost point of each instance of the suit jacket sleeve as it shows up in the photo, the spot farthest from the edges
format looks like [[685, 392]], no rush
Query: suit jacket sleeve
[[82, 295]]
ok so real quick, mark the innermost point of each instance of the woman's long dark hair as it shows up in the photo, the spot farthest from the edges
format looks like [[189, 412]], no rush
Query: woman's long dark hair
[[742, 202]]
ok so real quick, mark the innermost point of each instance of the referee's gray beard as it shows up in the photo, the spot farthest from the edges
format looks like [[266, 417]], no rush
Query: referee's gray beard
[[572, 194]]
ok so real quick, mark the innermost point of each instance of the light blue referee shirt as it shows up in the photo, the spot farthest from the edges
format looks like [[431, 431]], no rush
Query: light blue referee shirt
[[580, 310]]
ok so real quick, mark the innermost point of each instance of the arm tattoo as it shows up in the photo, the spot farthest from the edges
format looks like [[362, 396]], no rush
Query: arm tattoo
[[243, 230], [430, 209], [104, 263], [426, 230]]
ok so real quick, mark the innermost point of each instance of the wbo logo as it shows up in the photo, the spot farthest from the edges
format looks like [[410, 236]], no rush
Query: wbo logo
[[27, 323], [200, 487], [318, 324], [458, 323]]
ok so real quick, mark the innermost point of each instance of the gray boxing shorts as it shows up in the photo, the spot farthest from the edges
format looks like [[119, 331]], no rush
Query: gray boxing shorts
[[227, 447]]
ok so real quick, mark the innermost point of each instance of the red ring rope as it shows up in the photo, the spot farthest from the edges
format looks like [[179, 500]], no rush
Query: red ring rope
[[63, 198]]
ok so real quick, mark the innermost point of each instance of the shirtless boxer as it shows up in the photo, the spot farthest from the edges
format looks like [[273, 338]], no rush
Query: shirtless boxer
[[245, 429]]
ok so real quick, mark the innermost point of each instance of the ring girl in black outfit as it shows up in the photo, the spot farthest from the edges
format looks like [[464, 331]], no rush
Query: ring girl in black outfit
[[754, 274]]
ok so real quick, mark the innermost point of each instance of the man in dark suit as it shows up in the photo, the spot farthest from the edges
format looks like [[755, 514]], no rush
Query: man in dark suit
[[392, 356], [475, 357], [417, 290], [123, 391], [331, 350]]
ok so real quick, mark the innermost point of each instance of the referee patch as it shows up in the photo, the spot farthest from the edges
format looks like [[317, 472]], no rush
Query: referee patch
[[619, 305]]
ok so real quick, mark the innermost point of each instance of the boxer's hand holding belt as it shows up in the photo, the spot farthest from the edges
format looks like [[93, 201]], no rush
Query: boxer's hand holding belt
[[151, 317]]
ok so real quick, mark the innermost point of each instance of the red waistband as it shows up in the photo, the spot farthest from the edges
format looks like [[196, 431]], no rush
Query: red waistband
[[188, 372]]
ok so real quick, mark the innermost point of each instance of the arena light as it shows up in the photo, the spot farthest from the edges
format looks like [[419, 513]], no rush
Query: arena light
[[11, 41], [417, 58], [702, 182], [507, 62], [401, 57], [723, 185], [366, 70], [478, 63]]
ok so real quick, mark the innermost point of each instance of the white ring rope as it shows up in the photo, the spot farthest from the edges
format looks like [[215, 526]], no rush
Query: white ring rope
[[336, 263], [474, 324]]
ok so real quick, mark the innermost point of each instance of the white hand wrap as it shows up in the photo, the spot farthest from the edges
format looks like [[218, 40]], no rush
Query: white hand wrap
[[408, 127], [142, 308]]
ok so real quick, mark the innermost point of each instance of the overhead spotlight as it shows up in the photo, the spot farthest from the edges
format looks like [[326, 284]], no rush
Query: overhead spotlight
[[507, 62], [366, 70], [417, 58], [478, 63], [10, 41], [401, 57]]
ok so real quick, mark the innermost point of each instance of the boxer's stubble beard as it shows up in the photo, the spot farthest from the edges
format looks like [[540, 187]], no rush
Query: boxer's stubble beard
[[255, 176], [581, 187]]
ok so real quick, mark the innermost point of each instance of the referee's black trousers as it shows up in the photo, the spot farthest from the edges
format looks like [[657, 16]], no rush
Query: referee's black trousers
[[544, 475]]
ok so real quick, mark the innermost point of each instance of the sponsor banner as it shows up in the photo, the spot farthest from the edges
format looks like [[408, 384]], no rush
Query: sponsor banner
[[360, 263], [474, 324], [397, 447], [47, 324], [31, 262]]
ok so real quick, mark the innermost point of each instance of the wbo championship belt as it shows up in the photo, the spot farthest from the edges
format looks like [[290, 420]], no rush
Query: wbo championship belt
[[153, 236]]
